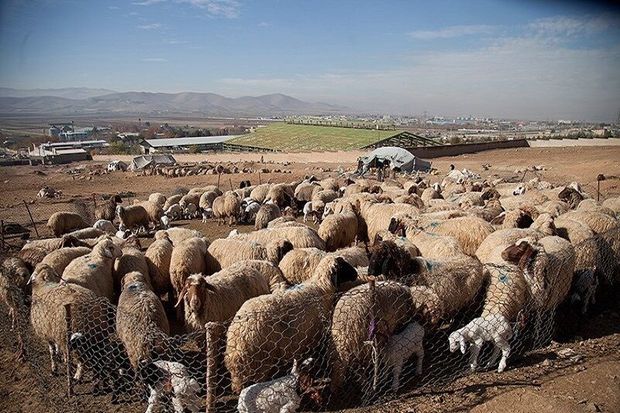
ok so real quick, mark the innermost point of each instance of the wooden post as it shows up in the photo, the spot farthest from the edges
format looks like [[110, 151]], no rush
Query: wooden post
[[259, 181], [68, 349], [218, 180], [523, 177], [230, 183], [2, 233], [598, 191], [31, 220], [214, 331]]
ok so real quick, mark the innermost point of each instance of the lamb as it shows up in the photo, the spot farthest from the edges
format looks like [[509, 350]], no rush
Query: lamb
[[160, 375], [158, 256], [61, 258], [260, 343], [400, 347], [493, 327], [174, 212], [218, 297], [62, 222], [188, 257], [309, 210], [133, 216], [107, 210], [90, 314], [390, 305], [105, 226], [265, 214], [222, 253], [300, 237], [299, 264], [140, 316], [338, 230], [584, 288], [93, 271], [279, 395], [190, 211]]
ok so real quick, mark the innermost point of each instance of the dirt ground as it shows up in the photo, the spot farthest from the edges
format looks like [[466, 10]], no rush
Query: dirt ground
[[542, 382]]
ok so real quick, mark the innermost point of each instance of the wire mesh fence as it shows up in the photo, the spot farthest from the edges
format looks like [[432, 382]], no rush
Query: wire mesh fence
[[328, 344]]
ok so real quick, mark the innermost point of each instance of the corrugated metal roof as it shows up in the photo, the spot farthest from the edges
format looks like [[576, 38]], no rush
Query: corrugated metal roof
[[199, 140], [69, 151], [75, 143]]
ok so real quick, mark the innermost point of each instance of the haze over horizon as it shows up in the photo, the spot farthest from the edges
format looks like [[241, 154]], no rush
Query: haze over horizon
[[503, 59]]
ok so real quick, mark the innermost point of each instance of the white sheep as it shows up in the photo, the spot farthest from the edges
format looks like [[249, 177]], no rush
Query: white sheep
[[274, 396], [309, 212], [165, 222], [174, 212], [105, 226], [185, 389], [401, 347], [493, 327]]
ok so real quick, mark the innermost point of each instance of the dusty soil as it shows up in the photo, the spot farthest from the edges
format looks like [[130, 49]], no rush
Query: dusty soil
[[541, 382]]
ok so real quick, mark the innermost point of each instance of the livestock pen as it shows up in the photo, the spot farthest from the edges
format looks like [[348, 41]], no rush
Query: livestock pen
[[350, 350]]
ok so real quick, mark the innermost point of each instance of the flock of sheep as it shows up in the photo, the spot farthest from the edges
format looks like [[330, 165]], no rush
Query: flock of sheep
[[308, 313]]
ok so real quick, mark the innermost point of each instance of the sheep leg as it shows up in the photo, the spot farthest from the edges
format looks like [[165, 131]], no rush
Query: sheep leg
[[420, 355], [398, 367], [505, 347], [52, 350], [177, 405], [494, 356], [78, 372], [153, 400], [473, 358]]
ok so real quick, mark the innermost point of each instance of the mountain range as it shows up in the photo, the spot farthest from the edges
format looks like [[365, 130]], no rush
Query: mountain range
[[101, 101]]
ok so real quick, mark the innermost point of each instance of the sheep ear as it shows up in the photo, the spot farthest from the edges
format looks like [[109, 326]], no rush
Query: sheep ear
[[210, 287], [514, 252], [393, 225], [378, 239], [181, 296], [344, 272]]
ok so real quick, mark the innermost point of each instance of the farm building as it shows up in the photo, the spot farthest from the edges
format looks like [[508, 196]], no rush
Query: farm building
[[201, 143], [403, 139], [63, 152], [149, 161]]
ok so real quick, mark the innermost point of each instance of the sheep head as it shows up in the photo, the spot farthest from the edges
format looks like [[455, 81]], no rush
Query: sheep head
[[490, 194], [545, 224], [457, 340], [15, 269], [195, 289], [387, 258], [43, 273], [534, 262], [571, 196], [107, 248], [332, 271], [276, 250]]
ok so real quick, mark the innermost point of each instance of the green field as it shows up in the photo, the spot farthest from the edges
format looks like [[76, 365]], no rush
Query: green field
[[302, 138]]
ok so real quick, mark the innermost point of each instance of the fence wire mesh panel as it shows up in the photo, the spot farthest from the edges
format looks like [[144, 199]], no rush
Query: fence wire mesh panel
[[333, 342]]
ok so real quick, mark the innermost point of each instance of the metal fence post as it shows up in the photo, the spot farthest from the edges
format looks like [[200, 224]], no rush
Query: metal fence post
[[214, 333], [68, 349]]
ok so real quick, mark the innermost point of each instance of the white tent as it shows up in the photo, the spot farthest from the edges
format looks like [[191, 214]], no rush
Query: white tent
[[398, 158]]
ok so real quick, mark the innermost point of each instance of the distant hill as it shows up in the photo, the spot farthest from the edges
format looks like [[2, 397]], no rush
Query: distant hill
[[205, 104], [68, 93]]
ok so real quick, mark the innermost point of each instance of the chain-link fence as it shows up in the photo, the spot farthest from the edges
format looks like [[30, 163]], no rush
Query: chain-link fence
[[317, 346]]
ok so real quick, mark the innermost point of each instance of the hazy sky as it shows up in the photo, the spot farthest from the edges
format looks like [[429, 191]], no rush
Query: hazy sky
[[516, 59]]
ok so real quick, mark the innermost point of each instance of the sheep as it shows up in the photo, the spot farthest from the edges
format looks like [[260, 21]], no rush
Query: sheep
[[310, 211], [532, 197], [157, 198], [597, 221], [105, 226], [329, 184], [306, 190], [400, 347], [282, 221], [218, 297], [613, 204], [271, 272], [224, 252], [299, 264], [206, 199], [280, 194], [139, 317], [62, 222], [90, 314], [190, 198], [188, 257], [164, 222], [154, 212], [377, 217], [547, 266], [86, 233], [571, 196], [176, 235], [395, 263], [259, 193], [107, 210], [387, 307], [94, 270], [584, 288], [160, 375], [324, 196], [158, 256], [265, 214], [131, 260], [429, 244], [446, 286], [592, 205], [279, 395], [431, 193], [133, 216], [204, 189], [227, 206], [172, 200], [61, 258], [14, 276], [338, 230], [260, 343], [190, 211], [493, 327], [300, 237]]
